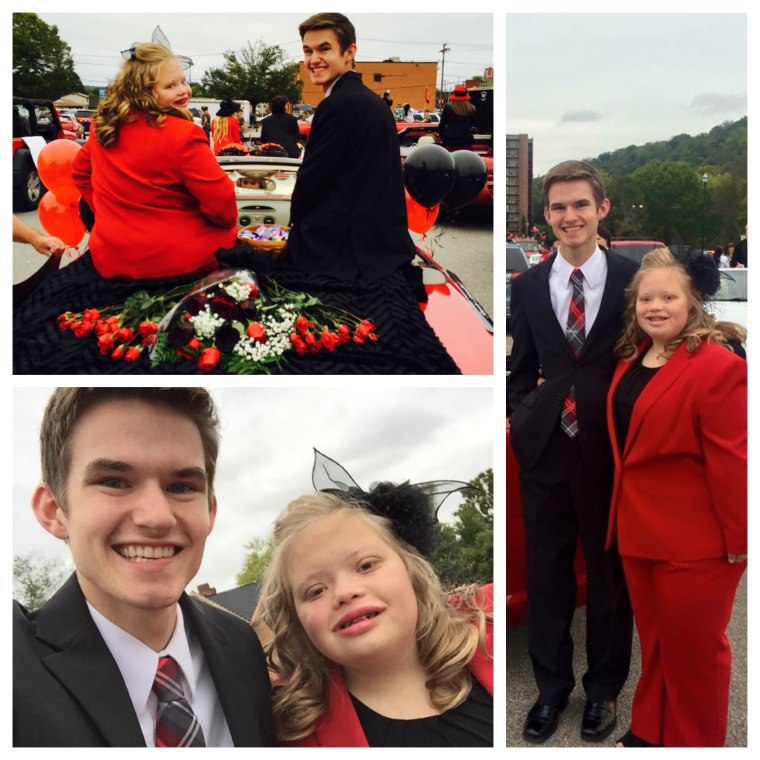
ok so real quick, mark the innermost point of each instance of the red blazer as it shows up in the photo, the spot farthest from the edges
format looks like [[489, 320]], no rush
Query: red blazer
[[680, 489], [340, 726], [162, 203]]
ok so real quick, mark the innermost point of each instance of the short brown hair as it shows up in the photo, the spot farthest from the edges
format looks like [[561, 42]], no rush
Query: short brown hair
[[66, 407], [344, 29], [571, 171]]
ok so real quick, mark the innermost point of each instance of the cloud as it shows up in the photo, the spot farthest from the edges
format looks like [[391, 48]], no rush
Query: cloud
[[720, 102], [581, 115]]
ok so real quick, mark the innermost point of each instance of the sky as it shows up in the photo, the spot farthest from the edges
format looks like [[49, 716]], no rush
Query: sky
[[636, 78], [96, 39], [266, 455]]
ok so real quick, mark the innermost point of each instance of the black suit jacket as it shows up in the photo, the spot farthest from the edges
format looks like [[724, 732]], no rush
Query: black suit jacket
[[348, 210], [540, 343], [68, 691], [282, 128]]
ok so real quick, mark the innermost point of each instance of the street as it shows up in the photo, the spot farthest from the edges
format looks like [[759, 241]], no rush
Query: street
[[521, 688]]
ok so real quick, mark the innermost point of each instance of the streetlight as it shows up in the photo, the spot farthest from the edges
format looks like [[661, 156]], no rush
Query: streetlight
[[704, 207]]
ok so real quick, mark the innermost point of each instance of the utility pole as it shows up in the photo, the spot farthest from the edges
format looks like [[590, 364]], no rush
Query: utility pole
[[443, 52]]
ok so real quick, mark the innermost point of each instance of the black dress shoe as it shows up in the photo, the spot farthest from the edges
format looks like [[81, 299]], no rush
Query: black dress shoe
[[541, 722], [599, 718]]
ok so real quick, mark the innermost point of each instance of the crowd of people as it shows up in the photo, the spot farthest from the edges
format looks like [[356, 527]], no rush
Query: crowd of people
[[629, 425]]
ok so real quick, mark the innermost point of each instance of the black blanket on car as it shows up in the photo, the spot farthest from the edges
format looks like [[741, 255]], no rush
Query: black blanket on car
[[406, 344]]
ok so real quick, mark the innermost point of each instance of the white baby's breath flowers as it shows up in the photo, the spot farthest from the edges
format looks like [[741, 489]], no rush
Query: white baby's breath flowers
[[206, 323]]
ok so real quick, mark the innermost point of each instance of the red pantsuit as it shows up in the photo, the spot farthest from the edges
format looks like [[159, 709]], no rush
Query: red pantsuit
[[679, 507], [681, 611]]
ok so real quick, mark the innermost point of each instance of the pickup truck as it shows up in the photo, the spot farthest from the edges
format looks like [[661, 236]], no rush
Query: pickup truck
[[31, 118]]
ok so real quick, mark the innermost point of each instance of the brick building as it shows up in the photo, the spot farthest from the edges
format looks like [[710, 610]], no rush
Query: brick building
[[407, 81]]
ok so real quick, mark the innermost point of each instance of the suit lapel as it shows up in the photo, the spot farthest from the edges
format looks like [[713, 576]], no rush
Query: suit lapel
[[222, 661], [611, 307], [668, 374], [84, 666]]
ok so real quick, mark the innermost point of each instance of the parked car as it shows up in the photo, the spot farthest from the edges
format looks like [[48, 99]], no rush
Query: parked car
[[434, 117], [533, 249], [633, 248], [84, 117], [32, 118], [263, 187], [730, 302], [70, 124]]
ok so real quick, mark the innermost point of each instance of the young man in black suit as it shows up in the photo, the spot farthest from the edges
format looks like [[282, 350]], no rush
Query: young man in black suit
[[128, 483], [557, 391], [348, 210]]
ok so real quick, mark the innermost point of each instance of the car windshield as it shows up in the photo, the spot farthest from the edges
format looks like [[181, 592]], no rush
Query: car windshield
[[733, 285], [529, 245]]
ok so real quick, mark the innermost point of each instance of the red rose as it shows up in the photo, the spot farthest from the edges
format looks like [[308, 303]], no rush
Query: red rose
[[298, 344], [194, 344], [309, 339], [93, 315], [105, 343], [302, 324], [132, 354], [148, 328], [112, 320], [118, 352], [209, 359], [253, 291], [257, 331], [150, 340], [83, 329], [124, 335]]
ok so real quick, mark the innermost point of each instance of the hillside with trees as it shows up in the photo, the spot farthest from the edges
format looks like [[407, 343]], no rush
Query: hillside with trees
[[658, 190]]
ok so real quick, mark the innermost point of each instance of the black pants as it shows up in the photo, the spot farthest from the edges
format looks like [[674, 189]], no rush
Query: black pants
[[562, 502]]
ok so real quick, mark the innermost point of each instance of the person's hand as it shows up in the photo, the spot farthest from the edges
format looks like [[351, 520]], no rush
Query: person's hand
[[47, 244], [541, 379], [736, 558]]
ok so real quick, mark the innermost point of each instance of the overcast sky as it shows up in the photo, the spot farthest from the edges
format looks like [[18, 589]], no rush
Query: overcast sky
[[96, 38], [266, 454], [581, 84]]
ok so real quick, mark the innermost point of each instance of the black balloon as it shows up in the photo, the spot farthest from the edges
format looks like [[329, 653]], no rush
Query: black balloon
[[429, 174], [472, 174]]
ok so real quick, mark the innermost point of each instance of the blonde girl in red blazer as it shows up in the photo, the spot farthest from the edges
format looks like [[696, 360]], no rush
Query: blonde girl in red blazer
[[162, 203], [677, 416], [365, 646]]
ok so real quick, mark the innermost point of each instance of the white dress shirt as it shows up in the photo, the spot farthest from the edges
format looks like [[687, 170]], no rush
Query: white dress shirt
[[138, 663], [561, 289], [332, 84]]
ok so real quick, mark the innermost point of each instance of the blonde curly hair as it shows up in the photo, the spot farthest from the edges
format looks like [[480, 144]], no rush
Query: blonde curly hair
[[133, 90], [448, 635], [700, 325]]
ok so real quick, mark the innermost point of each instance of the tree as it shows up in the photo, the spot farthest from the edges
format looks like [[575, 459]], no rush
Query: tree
[[256, 560], [35, 579], [42, 63], [257, 73], [465, 548]]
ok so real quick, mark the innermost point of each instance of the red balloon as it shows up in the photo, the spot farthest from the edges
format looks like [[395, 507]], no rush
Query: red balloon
[[55, 166], [61, 219], [419, 218]]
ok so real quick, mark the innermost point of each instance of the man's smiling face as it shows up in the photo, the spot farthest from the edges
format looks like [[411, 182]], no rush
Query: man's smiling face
[[323, 58], [574, 216], [136, 513]]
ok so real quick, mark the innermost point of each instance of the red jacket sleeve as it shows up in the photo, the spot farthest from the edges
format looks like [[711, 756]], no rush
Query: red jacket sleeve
[[723, 433], [205, 179]]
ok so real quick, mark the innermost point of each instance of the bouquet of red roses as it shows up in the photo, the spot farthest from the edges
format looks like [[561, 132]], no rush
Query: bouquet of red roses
[[223, 321]]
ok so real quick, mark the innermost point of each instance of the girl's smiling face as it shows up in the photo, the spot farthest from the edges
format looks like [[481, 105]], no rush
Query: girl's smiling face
[[662, 305], [352, 593], [172, 88]]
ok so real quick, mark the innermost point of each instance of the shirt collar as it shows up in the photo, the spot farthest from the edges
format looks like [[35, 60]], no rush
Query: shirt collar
[[332, 84], [593, 268], [138, 663]]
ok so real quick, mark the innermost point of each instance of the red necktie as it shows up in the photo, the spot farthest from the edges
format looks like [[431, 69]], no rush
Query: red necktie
[[576, 334], [176, 724]]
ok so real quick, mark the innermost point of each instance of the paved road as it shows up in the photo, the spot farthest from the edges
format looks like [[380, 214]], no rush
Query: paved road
[[521, 690]]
